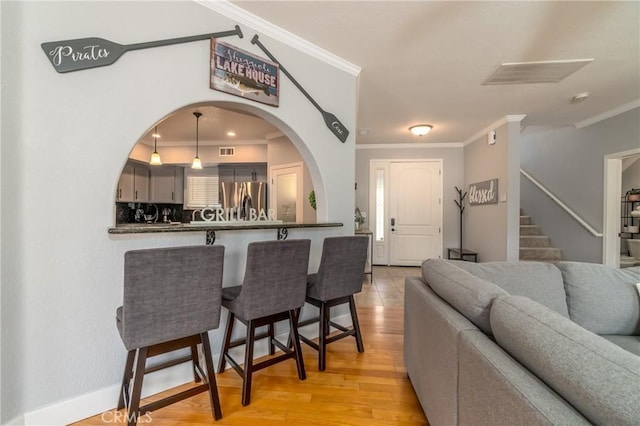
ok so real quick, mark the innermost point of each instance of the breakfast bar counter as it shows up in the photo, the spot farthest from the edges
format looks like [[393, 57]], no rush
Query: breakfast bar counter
[[212, 227]]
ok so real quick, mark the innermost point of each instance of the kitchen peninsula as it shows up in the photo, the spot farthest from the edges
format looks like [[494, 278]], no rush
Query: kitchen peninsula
[[212, 227]]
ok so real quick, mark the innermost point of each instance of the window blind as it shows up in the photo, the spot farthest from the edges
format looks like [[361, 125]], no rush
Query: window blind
[[202, 191]]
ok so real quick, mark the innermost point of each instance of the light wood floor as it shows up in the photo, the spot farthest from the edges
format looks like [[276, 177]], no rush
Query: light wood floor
[[356, 389]]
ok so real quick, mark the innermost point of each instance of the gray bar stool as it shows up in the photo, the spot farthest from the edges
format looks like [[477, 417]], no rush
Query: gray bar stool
[[273, 289], [172, 297], [339, 277]]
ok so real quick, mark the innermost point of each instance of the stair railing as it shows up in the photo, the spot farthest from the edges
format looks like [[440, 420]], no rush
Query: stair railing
[[562, 205]]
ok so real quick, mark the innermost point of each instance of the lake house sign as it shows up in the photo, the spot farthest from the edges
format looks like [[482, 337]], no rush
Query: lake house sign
[[485, 192], [243, 74]]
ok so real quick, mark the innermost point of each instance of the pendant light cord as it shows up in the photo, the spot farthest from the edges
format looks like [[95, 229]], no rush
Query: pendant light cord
[[155, 139], [197, 114]]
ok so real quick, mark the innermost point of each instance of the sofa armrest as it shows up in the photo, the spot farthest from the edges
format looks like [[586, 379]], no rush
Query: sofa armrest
[[431, 327]]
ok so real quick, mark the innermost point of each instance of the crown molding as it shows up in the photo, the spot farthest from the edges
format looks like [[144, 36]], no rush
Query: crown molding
[[608, 114], [504, 120], [409, 145], [241, 16]]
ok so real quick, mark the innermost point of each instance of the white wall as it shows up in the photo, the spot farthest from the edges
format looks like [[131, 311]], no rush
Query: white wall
[[492, 230], [631, 177], [569, 162], [1, 214], [65, 139], [453, 174]]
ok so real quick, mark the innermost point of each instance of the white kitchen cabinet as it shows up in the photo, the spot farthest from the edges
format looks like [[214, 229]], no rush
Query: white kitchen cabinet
[[167, 184], [133, 185]]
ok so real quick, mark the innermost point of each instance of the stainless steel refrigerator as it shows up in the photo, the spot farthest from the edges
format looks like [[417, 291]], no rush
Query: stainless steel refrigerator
[[244, 196]]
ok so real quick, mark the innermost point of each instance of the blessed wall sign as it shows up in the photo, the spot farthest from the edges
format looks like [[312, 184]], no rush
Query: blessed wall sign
[[485, 192]]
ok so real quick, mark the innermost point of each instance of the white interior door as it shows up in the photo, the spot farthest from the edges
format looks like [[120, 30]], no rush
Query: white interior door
[[286, 192]]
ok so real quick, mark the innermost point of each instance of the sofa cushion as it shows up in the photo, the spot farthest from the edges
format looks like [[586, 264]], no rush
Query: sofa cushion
[[470, 295], [495, 389], [602, 299], [539, 281], [628, 343], [598, 378]]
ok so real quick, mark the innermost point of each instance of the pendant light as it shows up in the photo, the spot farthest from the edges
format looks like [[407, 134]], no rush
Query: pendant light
[[197, 164], [155, 157]]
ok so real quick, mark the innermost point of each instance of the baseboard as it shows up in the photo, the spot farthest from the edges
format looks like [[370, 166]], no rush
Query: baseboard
[[105, 399], [18, 421]]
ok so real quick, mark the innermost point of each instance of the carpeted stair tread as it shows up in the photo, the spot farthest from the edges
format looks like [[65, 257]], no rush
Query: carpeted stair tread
[[533, 245], [525, 220], [534, 241], [530, 230], [541, 253]]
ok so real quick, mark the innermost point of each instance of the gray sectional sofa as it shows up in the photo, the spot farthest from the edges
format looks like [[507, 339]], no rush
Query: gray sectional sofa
[[524, 343]]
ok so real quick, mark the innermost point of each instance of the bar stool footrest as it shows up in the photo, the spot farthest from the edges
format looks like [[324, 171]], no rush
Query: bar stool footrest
[[174, 398]]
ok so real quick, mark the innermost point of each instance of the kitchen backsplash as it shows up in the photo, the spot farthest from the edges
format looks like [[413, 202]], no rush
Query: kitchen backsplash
[[154, 212]]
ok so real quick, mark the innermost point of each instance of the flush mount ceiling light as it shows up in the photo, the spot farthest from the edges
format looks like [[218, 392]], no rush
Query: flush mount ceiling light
[[197, 164], [420, 129], [536, 72], [155, 157], [580, 97]]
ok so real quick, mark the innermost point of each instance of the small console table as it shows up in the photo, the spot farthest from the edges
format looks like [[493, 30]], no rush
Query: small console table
[[461, 254], [368, 269]]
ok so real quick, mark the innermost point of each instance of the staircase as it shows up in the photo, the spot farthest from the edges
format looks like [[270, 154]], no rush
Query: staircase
[[533, 245]]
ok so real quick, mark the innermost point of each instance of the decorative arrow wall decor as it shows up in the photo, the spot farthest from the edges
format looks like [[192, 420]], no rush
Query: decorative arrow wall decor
[[330, 120], [93, 52]]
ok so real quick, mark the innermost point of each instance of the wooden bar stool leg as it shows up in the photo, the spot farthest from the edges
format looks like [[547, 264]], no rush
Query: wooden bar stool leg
[[322, 338], [214, 398], [293, 324], [195, 361], [126, 379], [134, 404], [356, 324], [248, 364], [272, 347], [289, 339], [222, 362]]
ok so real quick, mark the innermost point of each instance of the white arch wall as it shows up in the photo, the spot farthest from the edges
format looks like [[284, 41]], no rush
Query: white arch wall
[[65, 138]]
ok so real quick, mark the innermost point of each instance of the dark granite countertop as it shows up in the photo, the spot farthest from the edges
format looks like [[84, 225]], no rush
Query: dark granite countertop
[[144, 228]]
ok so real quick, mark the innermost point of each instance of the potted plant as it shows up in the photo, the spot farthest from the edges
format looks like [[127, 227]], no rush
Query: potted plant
[[633, 194], [312, 199]]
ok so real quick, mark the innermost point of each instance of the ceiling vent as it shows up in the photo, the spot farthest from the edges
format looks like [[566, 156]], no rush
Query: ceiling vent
[[535, 72], [227, 152]]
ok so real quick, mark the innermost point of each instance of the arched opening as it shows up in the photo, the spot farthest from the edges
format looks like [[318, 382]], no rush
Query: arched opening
[[236, 144]]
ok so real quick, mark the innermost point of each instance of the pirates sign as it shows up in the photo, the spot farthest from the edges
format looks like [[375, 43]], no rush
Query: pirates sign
[[241, 73]]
